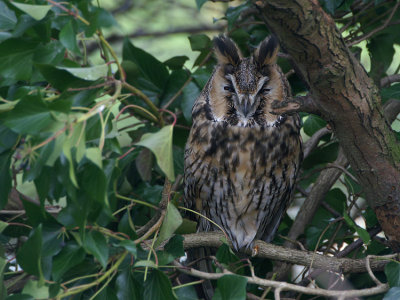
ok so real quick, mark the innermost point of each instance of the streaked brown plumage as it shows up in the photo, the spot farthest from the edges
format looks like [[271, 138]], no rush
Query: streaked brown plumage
[[241, 161]]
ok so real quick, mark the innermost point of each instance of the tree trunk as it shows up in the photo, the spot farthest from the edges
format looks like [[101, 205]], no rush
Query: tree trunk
[[346, 98]]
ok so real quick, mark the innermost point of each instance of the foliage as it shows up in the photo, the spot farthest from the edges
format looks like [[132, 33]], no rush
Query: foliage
[[88, 153]]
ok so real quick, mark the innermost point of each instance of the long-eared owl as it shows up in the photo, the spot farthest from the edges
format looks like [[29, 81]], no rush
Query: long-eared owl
[[241, 160]]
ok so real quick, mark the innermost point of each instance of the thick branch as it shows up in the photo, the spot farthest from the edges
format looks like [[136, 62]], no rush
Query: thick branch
[[298, 257]]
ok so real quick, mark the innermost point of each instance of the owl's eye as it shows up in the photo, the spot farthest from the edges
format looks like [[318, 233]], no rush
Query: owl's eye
[[228, 88], [265, 91]]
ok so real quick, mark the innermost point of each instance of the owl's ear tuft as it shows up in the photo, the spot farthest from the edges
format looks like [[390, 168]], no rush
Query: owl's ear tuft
[[266, 53], [226, 51]]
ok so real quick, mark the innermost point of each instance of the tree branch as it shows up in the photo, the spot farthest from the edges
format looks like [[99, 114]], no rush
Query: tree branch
[[388, 80], [313, 141], [293, 256], [295, 104]]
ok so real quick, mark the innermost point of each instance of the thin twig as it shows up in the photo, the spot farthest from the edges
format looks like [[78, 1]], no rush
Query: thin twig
[[371, 33], [280, 286]]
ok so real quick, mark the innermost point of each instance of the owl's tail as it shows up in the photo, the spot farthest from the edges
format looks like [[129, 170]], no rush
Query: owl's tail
[[202, 262]]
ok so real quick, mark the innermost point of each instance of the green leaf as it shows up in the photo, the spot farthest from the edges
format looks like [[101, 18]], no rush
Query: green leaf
[[95, 243], [160, 143], [200, 3], [189, 95], [3, 226], [36, 290], [391, 92], [8, 20], [90, 73], [68, 38], [381, 52], [37, 12], [150, 67], [29, 255], [127, 287], [175, 82], [94, 155], [392, 271], [31, 115], [59, 78], [71, 255], [363, 234], [186, 293], [392, 294], [3, 290], [171, 222], [199, 42], [5, 177], [175, 246], [226, 256], [176, 62], [16, 59], [129, 245], [20, 297], [313, 124], [231, 287], [158, 287], [233, 13]]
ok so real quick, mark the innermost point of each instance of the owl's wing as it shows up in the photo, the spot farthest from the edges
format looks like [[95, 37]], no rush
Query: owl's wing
[[270, 225]]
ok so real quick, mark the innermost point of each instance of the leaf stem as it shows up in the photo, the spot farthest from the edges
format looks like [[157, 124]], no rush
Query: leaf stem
[[81, 288], [146, 99], [136, 201]]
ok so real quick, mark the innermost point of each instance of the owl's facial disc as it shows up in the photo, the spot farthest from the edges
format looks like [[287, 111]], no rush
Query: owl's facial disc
[[246, 101]]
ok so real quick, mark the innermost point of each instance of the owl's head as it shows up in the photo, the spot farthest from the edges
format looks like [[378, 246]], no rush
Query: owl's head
[[242, 89]]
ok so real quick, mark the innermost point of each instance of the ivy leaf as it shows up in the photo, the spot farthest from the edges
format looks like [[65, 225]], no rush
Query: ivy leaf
[[231, 287], [95, 243], [37, 12], [171, 222], [5, 177], [3, 290], [189, 95], [313, 124], [127, 287], [31, 115], [71, 255], [200, 3], [393, 294], [160, 143], [8, 20], [150, 67], [392, 271], [158, 287], [16, 59], [29, 255], [176, 62], [90, 73], [129, 245], [36, 290], [363, 234], [199, 42], [68, 38]]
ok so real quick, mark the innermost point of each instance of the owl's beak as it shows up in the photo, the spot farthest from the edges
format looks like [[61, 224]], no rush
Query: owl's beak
[[246, 106]]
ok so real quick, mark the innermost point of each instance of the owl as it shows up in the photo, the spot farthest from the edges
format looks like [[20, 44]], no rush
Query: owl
[[241, 160]]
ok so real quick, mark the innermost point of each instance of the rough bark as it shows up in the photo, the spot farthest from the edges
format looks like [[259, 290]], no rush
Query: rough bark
[[345, 97]]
